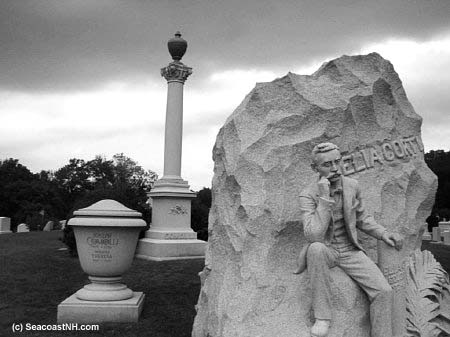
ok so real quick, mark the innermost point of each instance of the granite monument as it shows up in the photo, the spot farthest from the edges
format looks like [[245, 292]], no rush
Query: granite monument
[[262, 158]]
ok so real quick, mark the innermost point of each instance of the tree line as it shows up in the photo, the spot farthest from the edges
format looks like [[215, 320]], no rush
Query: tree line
[[35, 198], [439, 162]]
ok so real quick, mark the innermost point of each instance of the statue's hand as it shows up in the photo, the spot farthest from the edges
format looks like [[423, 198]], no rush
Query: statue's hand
[[393, 240], [324, 188]]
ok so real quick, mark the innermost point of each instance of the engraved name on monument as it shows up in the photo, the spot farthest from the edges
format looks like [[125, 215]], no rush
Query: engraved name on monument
[[386, 152], [102, 244]]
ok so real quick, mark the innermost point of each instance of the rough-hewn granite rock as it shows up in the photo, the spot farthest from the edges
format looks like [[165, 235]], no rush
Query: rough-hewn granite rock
[[262, 162]]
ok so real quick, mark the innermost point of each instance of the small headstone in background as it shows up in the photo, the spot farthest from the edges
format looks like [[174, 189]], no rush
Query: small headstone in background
[[446, 237], [62, 224], [426, 235], [22, 228], [444, 226], [48, 227], [5, 225], [436, 234]]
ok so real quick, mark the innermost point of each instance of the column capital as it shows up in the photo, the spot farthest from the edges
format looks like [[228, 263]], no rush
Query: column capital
[[176, 72]]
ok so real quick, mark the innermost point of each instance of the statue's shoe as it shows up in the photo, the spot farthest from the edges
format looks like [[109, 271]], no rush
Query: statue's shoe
[[320, 328]]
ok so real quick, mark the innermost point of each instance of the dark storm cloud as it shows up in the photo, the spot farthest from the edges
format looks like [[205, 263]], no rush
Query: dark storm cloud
[[49, 45]]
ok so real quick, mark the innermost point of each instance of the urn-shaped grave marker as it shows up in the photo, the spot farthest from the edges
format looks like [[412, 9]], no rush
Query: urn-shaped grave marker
[[106, 235]]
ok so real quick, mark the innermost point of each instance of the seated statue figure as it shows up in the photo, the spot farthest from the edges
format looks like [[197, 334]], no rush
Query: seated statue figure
[[332, 209]]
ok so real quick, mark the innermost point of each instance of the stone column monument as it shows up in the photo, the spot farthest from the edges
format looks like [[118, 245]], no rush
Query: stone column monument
[[170, 236]]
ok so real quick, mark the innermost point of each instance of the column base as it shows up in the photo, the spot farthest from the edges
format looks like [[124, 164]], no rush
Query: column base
[[172, 249], [5, 232], [171, 188], [73, 310]]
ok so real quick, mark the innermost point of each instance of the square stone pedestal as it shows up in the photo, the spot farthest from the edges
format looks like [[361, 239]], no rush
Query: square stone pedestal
[[170, 236], [165, 250], [73, 310]]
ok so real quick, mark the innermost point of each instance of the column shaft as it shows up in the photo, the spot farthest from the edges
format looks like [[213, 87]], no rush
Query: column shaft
[[173, 131]]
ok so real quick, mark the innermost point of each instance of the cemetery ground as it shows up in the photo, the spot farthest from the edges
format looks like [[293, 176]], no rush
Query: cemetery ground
[[35, 276]]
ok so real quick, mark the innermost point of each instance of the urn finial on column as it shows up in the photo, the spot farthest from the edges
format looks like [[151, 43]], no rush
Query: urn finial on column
[[176, 71], [177, 46]]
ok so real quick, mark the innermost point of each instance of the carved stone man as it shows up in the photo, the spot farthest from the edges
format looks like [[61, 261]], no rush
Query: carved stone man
[[332, 209]]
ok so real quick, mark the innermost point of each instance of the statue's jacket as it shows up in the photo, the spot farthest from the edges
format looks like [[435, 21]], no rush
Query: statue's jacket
[[316, 217]]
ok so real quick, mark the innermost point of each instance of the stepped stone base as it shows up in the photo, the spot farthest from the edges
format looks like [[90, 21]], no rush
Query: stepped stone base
[[73, 310], [170, 249]]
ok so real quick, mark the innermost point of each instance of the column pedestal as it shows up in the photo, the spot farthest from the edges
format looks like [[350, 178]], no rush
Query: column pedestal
[[170, 236]]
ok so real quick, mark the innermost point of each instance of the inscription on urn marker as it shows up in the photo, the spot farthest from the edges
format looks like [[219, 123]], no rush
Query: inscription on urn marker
[[102, 244]]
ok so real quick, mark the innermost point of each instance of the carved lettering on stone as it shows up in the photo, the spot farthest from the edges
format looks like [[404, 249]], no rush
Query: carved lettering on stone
[[373, 156], [176, 236], [395, 275], [102, 243]]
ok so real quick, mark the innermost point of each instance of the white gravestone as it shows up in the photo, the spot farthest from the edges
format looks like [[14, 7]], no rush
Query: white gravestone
[[5, 225], [48, 227], [444, 226], [443, 234], [22, 228], [436, 234], [426, 236], [446, 237]]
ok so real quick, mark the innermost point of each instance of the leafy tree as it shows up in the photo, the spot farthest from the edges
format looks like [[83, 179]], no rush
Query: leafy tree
[[200, 207], [38, 198], [439, 162], [73, 177], [11, 170], [127, 171], [24, 195], [100, 173]]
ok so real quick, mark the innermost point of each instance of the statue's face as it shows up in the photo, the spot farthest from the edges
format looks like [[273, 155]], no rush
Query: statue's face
[[328, 164]]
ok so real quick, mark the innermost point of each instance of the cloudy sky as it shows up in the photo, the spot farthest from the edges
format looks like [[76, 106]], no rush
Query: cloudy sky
[[82, 77]]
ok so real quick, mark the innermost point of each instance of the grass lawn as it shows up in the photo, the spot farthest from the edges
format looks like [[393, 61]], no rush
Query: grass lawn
[[35, 277]]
